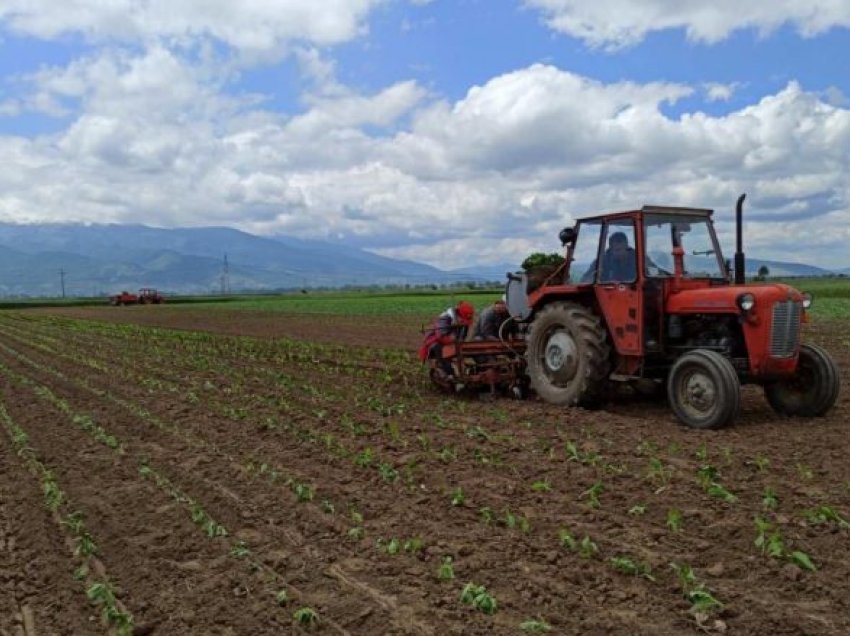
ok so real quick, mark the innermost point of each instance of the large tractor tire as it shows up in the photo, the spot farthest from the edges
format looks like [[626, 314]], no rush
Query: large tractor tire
[[568, 355], [812, 390], [704, 390]]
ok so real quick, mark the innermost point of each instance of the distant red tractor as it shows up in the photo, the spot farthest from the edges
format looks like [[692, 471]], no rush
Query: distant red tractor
[[654, 305], [146, 296]]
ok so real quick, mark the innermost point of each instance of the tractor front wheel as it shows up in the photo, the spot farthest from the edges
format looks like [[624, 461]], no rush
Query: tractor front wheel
[[813, 388], [704, 390], [568, 355]]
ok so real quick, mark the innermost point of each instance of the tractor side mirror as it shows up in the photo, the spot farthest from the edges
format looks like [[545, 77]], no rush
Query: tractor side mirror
[[567, 235]]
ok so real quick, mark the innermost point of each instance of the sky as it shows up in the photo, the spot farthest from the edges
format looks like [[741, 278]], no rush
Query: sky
[[450, 132]]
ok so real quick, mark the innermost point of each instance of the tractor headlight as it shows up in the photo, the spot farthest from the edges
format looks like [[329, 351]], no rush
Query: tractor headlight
[[807, 300], [746, 302]]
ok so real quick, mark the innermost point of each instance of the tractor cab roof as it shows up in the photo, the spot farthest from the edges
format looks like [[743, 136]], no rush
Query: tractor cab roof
[[650, 209]]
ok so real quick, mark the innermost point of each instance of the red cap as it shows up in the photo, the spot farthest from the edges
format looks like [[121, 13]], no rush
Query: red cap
[[465, 312]]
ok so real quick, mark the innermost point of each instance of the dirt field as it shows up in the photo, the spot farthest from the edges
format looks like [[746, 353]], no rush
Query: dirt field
[[223, 473]]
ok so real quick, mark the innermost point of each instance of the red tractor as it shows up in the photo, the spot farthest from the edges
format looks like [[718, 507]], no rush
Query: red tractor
[[146, 296], [645, 297], [149, 296]]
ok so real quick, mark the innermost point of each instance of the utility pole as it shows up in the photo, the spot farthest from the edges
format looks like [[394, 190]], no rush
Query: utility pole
[[62, 281], [225, 276]]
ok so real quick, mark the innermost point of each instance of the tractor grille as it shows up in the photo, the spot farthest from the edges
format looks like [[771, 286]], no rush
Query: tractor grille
[[785, 332]]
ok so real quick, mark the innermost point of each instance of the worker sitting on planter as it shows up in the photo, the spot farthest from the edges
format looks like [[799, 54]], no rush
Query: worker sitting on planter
[[495, 323], [449, 327]]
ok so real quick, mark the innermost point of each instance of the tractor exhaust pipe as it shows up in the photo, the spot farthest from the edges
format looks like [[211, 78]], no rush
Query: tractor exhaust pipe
[[740, 264]]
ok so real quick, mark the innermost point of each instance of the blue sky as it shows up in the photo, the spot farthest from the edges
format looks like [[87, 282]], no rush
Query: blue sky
[[446, 132]]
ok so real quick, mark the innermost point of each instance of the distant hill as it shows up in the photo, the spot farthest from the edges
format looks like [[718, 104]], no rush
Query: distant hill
[[95, 260], [103, 259], [486, 272], [781, 268]]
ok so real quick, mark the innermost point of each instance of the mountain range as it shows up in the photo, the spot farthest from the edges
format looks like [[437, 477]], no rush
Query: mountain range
[[93, 260]]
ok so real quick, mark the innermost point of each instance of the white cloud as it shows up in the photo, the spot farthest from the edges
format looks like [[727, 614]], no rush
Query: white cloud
[[715, 92], [485, 179], [615, 24], [249, 25]]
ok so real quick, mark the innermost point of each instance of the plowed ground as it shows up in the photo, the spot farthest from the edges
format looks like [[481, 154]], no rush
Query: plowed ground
[[233, 468]]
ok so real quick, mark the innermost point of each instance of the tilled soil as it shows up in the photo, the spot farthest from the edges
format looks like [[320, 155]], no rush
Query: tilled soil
[[343, 481]]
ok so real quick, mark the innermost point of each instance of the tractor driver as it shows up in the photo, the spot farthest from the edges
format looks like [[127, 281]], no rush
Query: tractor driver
[[618, 262]]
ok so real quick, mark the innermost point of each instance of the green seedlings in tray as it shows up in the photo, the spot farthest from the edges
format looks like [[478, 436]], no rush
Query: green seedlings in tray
[[478, 597]]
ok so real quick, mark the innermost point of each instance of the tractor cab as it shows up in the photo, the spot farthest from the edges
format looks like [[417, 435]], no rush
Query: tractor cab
[[645, 295], [635, 262]]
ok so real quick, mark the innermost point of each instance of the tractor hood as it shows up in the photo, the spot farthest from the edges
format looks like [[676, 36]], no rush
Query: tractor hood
[[722, 300]]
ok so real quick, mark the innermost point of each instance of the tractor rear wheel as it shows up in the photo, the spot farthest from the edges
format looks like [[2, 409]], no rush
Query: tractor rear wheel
[[813, 388], [704, 390], [568, 355]]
